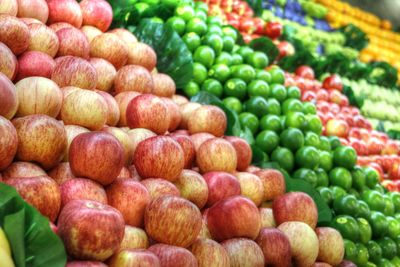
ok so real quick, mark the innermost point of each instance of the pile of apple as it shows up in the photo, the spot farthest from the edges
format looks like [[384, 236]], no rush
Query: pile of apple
[[89, 136]]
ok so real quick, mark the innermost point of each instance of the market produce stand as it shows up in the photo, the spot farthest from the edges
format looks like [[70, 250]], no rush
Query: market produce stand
[[189, 133]]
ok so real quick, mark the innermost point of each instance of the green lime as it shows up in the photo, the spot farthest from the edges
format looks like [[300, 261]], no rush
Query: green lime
[[374, 200], [379, 224], [245, 51], [178, 24], [326, 194], [311, 139], [233, 103], [199, 73], [244, 72], [141, 7], [324, 143], [284, 157], [293, 92], [396, 261], [359, 179], [157, 20], [192, 40], [258, 88], [235, 87], [325, 161], [197, 26], [230, 31], [341, 177], [204, 55], [354, 192], [214, 29], [278, 91], [385, 263], [307, 157], [258, 60], [292, 139], [397, 240], [371, 177], [249, 120], [323, 178], [237, 59], [185, 12], [335, 142], [313, 124], [229, 43], [309, 108], [295, 120], [363, 210], [271, 122], [201, 6], [201, 14], [212, 86], [307, 175], [224, 58], [393, 227], [345, 156], [388, 246], [267, 141], [365, 230], [337, 192], [291, 105], [263, 75], [277, 75], [345, 205], [274, 107], [374, 251], [389, 206], [347, 226], [214, 20], [379, 188], [214, 41], [221, 72], [395, 197], [191, 89], [257, 105], [362, 255], [350, 250]]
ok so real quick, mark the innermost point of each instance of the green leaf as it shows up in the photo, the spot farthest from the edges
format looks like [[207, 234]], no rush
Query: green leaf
[[353, 99], [173, 56], [33, 242], [264, 44], [259, 156], [233, 127], [383, 74], [257, 7], [394, 134], [355, 37], [247, 135]]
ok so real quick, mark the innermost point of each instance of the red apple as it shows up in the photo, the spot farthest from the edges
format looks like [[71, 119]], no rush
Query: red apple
[[109, 47], [84, 108], [209, 253], [65, 11], [80, 188], [333, 82], [204, 232], [338, 128], [375, 146], [73, 42], [163, 85], [331, 246], [90, 230], [174, 114], [134, 257], [221, 185], [295, 206], [113, 109], [251, 187], [143, 55], [180, 100], [165, 224], [8, 63], [133, 78], [85, 264], [72, 131], [134, 238], [38, 95], [60, 25], [149, 112], [275, 247], [138, 135], [172, 256], [186, 111], [216, 155], [41, 192], [8, 143], [122, 193], [37, 9], [274, 183], [61, 173], [225, 219], [209, 119], [160, 187], [273, 30], [305, 72], [20, 169], [285, 49], [97, 13], [74, 71], [303, 242], [35, 63], [96, 155], [14, 34], [192, 187], [44, 132], [9, 7], [243, 252], [125, 141], [322, 95], [321, 264], [187, 145], [43, 39], [267, 217], [123, 99], [8, 95], [199, 138], [105, 73], [126, 36], [243, 152], [91, 32]]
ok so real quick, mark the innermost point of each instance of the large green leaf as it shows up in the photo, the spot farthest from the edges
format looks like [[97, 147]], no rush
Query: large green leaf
[[32, 241], [353, 99], [256, 5], [173, 57], [264, 44]]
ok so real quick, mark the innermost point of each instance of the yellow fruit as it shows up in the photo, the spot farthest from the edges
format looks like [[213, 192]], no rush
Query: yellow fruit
[[4, 245], [5, 259]]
